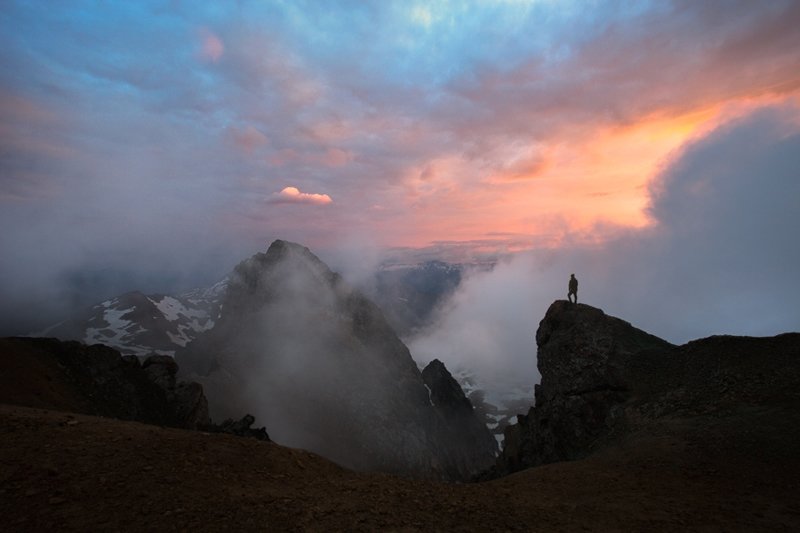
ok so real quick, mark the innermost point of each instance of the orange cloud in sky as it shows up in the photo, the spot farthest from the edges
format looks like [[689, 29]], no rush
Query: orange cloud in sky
[[598, 177], [292, 195]]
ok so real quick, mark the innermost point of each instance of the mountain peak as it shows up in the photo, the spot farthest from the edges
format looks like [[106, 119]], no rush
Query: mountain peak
[[318, 362], [281, 247]]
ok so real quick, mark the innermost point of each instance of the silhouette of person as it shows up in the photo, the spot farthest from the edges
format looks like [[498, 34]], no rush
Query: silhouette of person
[[573, 288]]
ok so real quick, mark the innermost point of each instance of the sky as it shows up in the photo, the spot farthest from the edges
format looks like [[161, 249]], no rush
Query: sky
[[645, 145]]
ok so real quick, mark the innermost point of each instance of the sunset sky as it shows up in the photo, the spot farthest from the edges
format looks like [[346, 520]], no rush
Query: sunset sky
[[181, 136]]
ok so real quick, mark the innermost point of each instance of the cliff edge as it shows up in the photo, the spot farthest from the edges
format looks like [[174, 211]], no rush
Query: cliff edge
[[606, 382]]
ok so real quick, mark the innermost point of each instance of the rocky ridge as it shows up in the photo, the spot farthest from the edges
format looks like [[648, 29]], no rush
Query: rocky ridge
[[97, 380], [465, 436]]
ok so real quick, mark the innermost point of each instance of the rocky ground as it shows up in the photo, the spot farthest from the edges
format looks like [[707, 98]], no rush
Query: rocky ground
[[69, 472]]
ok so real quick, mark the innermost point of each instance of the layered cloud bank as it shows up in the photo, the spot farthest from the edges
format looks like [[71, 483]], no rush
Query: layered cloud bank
[[153, 145], [720, 257]]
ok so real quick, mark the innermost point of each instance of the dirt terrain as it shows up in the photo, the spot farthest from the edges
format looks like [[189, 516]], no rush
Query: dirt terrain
[[71, 472]]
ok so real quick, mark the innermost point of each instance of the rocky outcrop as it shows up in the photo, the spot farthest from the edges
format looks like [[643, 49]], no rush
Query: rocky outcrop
[[472, 446], [317, 362], [185, 400], [604, 380], [582, 353], [240, 428], [97, 380]]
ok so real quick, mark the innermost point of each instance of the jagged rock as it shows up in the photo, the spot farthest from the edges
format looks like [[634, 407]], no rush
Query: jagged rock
[[190, 405], [472, 446], [187, 400], [446, 393], [604, 380], [161, 369], [582, 353], [241, 428], [97, 380], [318, 362]]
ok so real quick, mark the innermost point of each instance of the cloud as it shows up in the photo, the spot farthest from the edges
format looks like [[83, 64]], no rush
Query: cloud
[[134, 117], [212, 47], [720, 258], [335, 157], [248, 138], [292, 195]]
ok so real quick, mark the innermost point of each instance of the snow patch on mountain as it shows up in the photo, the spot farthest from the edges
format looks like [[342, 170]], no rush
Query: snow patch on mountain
[[140, 324], [497, 402]]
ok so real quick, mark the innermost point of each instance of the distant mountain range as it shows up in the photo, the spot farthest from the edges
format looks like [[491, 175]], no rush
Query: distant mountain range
[[410, 294], [138, 324], [142, 324]]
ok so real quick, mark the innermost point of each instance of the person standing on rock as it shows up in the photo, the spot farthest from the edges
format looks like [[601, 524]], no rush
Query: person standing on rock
[[573, 288]]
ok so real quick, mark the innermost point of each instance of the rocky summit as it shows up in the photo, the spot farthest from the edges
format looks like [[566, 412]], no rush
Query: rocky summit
[[605, 382], [318, 363]]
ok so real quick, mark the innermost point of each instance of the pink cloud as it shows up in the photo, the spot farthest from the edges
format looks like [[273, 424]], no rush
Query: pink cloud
[[292, 195], [283, 157], [248, 139], [212, 47], [335, 157]]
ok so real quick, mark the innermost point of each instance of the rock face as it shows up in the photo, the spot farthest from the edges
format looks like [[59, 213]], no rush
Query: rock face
[[97, 380], [581, 356], [185, 399], [604, 380], [319, 364], [468, 439]]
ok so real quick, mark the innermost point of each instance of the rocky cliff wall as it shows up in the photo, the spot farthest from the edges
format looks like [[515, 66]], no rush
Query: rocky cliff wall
[[603, 379]]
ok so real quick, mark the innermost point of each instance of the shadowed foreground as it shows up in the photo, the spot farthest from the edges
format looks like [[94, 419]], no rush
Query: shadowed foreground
[[76, 472]]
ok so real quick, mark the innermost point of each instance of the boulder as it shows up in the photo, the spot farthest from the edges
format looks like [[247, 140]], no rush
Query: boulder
[[187, 402]]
